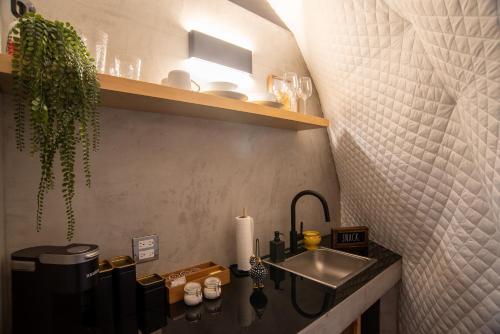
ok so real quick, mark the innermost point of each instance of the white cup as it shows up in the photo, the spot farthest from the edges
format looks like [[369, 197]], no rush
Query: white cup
[[179, 79]]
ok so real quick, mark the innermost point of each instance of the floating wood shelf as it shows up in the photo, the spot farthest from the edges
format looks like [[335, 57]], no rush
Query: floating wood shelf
[[143, 96]]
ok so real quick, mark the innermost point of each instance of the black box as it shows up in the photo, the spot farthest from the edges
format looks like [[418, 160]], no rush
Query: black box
[[151, 303], [124, 295]]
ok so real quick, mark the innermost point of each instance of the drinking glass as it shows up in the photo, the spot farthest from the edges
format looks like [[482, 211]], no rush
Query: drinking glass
[[279, 89], [292, 83], [127, 67], [101, 47], [305, 90], [96, 42]]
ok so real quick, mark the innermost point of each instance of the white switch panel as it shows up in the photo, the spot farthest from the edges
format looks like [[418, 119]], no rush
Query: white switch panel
[[145, 248]]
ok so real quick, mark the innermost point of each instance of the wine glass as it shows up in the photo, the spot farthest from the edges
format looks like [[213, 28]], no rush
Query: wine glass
[[305, 90], [292, 83]]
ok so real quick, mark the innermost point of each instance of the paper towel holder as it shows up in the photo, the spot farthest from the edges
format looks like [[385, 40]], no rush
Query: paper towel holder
[[236, 272], [234, 267]]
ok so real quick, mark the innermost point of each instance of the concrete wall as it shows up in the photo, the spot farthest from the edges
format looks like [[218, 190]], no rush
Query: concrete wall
[[3, 269], [181, 178]]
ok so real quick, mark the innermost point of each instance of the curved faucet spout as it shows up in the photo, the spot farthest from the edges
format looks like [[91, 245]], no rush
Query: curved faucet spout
[[293, 231]]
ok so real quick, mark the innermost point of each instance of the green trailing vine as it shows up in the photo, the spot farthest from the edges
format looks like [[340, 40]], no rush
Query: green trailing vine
[[55, 86]]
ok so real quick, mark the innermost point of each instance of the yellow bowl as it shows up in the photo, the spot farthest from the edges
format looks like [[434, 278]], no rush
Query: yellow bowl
[[311, 239]]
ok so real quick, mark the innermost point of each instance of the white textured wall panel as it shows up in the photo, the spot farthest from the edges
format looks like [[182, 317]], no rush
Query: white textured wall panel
[[413, 92]]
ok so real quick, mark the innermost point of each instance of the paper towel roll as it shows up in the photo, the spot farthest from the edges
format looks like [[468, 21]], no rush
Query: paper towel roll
[[244, 241]]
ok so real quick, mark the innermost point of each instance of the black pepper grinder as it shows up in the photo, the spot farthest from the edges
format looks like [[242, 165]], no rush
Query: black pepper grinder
[[277, 248]]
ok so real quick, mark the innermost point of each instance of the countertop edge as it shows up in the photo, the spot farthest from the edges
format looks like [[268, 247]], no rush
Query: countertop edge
[[343, 314]]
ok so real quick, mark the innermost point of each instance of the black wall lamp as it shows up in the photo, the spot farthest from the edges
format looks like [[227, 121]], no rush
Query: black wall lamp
[[218, 51]]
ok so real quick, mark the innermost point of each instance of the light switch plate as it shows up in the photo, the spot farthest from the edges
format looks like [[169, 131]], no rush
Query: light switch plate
[[145, 248]]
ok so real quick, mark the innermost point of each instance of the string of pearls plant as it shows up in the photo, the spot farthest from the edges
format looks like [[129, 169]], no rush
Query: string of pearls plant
[[55, 86]]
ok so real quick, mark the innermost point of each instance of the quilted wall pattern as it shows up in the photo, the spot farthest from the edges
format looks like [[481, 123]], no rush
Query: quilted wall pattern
[[413, 92]]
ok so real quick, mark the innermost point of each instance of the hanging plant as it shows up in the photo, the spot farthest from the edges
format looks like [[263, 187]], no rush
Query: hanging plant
[[55, 86]]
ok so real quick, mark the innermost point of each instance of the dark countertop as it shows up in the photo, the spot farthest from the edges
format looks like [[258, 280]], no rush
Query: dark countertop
[[273, 310]]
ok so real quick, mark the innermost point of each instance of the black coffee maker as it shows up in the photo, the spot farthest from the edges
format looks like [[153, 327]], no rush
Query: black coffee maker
[[54, 289]]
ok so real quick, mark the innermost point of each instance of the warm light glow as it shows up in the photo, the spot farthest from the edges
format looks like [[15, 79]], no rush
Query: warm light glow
[[291, 12], [203, 71], [221, 32]]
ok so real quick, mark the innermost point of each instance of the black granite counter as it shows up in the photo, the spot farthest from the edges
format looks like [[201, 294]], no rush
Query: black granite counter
[[286, 304]]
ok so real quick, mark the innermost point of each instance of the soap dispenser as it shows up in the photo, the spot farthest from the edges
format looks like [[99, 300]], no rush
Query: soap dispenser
[[277, 248]]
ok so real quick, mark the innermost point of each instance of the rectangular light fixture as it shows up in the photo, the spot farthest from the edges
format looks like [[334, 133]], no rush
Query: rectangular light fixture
[[218, 51]]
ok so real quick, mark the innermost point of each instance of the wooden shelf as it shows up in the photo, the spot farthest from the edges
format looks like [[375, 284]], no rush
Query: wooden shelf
[[143, 96]]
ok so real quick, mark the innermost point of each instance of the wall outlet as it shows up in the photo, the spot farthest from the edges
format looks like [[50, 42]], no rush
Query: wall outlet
[[146, 254], [145, 248], [146, 243]]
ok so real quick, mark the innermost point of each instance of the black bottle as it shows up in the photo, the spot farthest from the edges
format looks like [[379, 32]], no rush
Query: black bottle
[[277, 248]]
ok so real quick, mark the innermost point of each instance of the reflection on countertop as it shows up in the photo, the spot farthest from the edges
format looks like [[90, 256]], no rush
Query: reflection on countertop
[[287, 304]]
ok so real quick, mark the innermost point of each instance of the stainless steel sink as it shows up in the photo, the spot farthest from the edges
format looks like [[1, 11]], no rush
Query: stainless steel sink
[[326, 266]]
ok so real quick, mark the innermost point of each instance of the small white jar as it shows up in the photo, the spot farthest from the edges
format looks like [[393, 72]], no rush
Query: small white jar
[[212, 288], [192, 293]]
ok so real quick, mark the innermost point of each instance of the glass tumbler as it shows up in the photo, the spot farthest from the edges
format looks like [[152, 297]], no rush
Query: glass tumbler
[[279, 90], [96, 42], [127, 67]]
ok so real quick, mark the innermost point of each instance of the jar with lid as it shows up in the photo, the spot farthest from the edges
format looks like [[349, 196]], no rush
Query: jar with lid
[[212, 288], [192, 293]]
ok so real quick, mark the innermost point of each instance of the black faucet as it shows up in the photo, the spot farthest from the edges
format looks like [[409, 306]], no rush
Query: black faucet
[[294, 237]]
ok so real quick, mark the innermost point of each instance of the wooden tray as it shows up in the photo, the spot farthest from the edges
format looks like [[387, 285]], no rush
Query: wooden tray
[[175, 294]]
